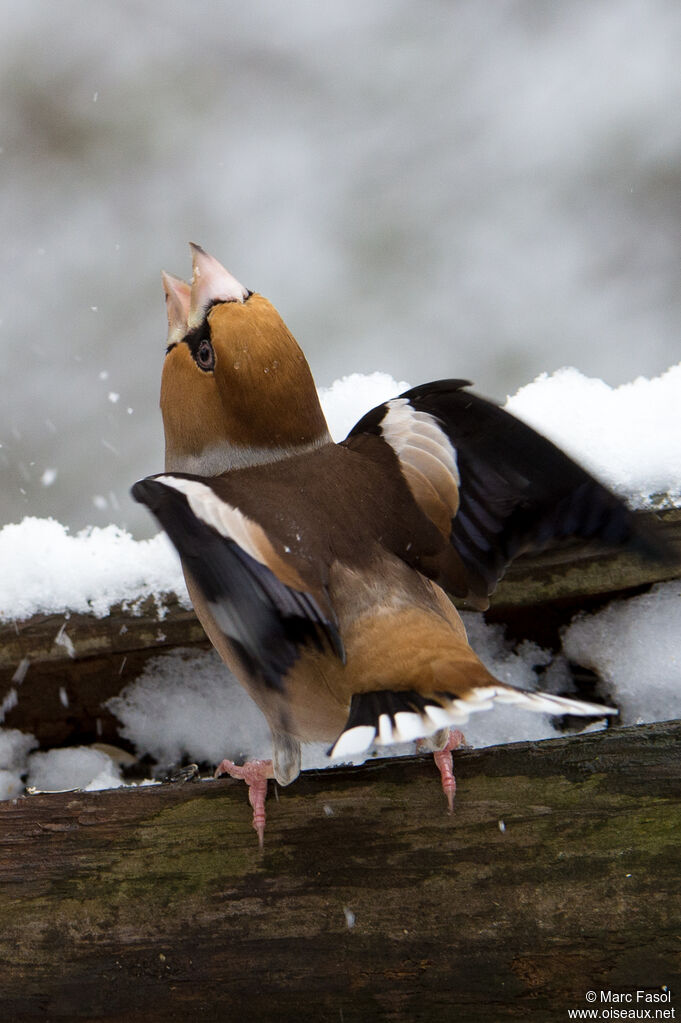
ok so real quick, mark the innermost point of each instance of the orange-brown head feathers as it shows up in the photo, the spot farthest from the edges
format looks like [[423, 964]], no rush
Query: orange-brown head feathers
[[236, 389]]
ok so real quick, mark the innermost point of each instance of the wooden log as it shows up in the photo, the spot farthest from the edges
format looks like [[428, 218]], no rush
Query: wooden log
[[57, 673], [574, 572], [369, 901]]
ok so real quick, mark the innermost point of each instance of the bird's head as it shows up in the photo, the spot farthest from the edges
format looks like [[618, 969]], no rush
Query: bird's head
[[236, 389]]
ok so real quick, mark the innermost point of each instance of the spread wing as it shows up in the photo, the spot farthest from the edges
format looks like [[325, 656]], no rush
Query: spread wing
[[493, 486], [254, 592]]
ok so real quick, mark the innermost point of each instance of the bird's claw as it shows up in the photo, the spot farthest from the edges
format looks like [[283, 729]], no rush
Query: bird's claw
[[445, 765], [255, 773]]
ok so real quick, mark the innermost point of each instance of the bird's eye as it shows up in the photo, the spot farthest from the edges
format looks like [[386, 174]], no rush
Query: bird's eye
[[205, 356]]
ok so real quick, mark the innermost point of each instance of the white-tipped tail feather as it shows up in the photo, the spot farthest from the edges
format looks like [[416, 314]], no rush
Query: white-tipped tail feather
[[386, 718]]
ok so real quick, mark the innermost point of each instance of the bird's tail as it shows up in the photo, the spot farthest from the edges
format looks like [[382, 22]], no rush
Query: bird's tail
[[384, 717]]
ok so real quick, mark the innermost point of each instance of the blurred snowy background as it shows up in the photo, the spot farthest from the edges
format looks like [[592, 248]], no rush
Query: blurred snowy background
[[429, 189]]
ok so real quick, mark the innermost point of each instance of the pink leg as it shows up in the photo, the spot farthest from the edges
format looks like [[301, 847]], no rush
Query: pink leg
[[445, 765], [255, 773]]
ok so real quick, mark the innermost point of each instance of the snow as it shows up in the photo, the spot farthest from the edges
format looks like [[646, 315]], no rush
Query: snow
[[88, 768], [15, 747], [187, 704], [347, 399], [634, 646], [521, 666], [76, 767], [45, 569], [11, 784], [628, 436]]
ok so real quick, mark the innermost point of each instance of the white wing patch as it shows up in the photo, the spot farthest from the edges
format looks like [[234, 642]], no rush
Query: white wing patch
[[223, 517], [354, 740], [407, 431], [442, 712], [427, 459]]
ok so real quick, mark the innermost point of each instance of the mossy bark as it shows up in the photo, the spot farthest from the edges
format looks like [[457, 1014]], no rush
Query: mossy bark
[[558, 873]]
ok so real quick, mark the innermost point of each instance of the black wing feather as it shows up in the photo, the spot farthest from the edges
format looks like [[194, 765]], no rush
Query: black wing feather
[[266, 621], [518, 491]]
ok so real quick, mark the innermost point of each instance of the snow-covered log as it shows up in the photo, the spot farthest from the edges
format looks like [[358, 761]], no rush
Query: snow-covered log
[[57, 672]]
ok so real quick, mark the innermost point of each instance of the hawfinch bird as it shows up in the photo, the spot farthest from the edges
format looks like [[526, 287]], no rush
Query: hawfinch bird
[[321, 571]]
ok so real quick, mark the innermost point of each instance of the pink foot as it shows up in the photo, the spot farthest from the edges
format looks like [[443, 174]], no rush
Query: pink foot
[[445, 765], [255, 773]]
